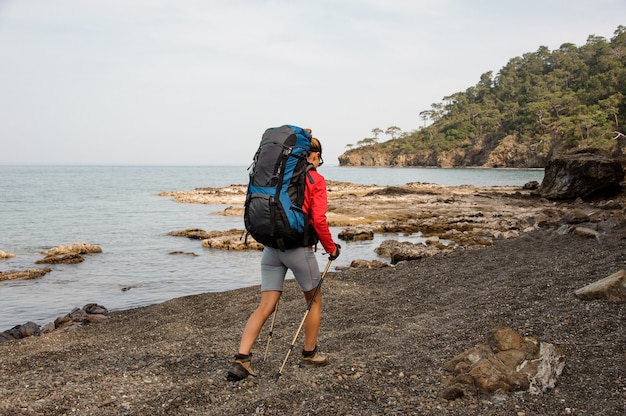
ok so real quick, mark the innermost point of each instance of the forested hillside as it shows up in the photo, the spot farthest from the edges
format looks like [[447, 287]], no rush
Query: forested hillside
[[542, 103]]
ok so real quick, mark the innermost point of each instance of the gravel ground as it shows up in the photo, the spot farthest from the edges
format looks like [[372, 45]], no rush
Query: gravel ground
[[387, 332]]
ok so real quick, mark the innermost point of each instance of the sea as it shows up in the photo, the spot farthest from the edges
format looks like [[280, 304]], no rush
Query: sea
[[118, 209]]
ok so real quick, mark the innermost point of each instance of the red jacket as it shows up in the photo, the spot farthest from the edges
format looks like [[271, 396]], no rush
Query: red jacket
[[315, 206]]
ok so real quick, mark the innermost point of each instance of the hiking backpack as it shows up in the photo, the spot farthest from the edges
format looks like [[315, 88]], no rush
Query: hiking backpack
[[273, 213]]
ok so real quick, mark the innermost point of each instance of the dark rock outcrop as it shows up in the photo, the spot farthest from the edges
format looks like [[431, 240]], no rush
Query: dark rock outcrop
[[581, 175], [90, 313]]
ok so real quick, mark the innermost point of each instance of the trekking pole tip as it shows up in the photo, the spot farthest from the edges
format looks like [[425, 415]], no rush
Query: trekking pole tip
[[276, 377]]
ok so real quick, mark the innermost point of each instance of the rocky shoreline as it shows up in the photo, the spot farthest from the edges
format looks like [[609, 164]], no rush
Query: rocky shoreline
[[449, 217], [391, 333]]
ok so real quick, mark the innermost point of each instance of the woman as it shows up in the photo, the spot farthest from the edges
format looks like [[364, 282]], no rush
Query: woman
[[302, 262]]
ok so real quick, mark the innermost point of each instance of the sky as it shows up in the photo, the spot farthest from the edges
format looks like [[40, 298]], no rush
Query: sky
[[197, 82]]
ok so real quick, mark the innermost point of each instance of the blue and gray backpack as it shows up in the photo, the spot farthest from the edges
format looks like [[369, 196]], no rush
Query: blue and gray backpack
[[273, 213]]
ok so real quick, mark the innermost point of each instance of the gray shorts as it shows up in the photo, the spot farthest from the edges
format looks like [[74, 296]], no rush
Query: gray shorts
[[301, 261]]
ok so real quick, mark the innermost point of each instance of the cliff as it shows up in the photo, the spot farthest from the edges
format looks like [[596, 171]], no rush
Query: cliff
[[509, 153]]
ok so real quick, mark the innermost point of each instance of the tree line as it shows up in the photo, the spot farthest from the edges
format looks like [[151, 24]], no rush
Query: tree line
[[391, 131], [553, 101]]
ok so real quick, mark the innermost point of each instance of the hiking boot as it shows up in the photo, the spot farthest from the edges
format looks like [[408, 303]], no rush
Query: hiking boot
[[241, 368], [313, 359]]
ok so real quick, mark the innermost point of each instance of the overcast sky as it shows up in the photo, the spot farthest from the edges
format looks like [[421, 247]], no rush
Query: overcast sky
[[197, 82]]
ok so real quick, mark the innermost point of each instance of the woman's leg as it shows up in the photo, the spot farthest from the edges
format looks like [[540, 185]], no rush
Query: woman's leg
[[303, 264], [313, 319], [266, 307]]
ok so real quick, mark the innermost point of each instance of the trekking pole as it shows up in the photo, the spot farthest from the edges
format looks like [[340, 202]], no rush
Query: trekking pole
[[306, 313], [269, 336]]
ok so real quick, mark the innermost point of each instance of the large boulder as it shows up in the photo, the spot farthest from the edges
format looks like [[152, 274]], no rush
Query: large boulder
[[505, 362], [583, 175]]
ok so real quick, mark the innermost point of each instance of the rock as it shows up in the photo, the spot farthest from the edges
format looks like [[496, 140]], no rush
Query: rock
[[5, 255], [20, 331], [405, 251], [95, 318], [586, 232], [60, 321], [491, 375], [192, 233], [359, 233], [5, 336], [29, 329], [61, 259], [505, 362], [544, 370], [504, 339], [14, 332], [416, 252], [24, 274], [576, 216], [365, 264], [231, 212], [68, 254], [232, 240], [610, 204], [94, 308], [581, 175], [233, 194], [221, 240], [78, 315], [611, 288], [391, 190], [47, 328], [398, 226], [90, 313], [76, 248], [387, 247], [532, 185]]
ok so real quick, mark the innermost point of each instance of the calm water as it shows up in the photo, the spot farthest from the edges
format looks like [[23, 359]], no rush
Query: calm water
[[117, 208]]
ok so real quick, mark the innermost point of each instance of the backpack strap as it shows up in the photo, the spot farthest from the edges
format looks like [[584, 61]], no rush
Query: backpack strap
[[309, 168]]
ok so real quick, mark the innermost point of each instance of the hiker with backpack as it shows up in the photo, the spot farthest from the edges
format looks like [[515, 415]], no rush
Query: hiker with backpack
[[291, 249]]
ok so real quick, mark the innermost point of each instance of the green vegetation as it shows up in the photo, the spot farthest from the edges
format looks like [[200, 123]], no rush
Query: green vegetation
[[546, 101]]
